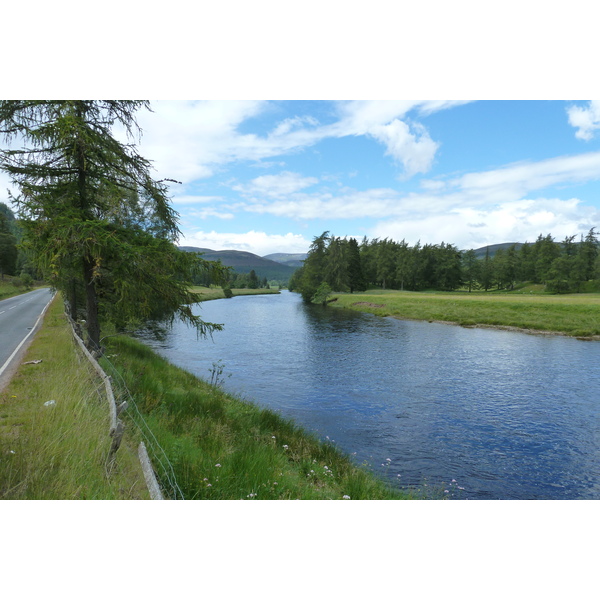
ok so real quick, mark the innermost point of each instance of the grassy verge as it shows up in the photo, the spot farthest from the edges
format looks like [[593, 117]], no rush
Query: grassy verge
[[217, 293], [9, 290], [571, 314], [222, 448], [58, 451]]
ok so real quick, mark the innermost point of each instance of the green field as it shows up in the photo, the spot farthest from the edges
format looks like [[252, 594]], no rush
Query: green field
[[571, 314]]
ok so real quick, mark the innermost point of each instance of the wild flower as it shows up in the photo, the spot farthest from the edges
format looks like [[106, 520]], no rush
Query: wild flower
[[252, 495], [389, 459], [217, 465], [285, 446], [209, 485]]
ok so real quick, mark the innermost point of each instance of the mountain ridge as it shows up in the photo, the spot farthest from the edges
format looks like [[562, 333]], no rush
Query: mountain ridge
[[244, 262]]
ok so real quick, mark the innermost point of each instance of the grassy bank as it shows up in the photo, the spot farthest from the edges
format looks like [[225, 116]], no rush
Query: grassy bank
[[570, 314], [8, 289], [59, 450], [221, 447], [217, 293]]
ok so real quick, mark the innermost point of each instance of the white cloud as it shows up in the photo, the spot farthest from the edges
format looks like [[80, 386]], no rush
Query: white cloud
[[414, 149], [276, 186], [352, 205], [205, 213], [184, 200], [586, 120], [517, 221], [189, 140], [257, 242], [515, 181]]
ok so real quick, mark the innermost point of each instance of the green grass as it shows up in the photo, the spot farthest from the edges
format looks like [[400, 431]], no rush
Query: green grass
[[59, 451], [221, 447], [217, 293], [571, 314]]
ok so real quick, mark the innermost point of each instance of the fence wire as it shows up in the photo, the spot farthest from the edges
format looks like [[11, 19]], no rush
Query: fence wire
[[160, 461]]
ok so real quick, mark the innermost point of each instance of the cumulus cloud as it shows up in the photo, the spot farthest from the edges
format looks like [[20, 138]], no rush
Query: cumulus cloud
[[414, 149], [189, 140], [257, 242], [585, 119]]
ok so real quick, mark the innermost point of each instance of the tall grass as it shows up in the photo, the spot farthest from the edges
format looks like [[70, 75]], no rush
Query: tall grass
[[221, 447], [54, 427], [573, 314]]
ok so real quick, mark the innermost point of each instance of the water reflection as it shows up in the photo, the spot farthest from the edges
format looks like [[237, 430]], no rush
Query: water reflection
[[506, 415]]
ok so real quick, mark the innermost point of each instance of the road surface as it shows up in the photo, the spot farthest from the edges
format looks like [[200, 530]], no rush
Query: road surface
[[18, 316]]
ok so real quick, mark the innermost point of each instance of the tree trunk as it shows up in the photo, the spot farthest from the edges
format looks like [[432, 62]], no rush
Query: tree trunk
[[73, 299], [93, 326]]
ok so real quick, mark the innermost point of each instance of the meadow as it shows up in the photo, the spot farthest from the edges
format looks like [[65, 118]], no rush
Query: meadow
[[527, 309]]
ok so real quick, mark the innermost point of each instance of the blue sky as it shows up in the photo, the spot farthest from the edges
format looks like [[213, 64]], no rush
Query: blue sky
[[268, 176]]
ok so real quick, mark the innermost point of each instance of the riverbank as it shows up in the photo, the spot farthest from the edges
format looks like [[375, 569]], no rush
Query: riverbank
[[223, 448], [215, 293], [576, 315], [54, 433]]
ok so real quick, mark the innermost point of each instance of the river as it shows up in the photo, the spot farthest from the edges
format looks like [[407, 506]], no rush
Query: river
[[466, 413]]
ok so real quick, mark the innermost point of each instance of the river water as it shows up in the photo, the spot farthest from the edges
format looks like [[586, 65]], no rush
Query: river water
[[468, 413]]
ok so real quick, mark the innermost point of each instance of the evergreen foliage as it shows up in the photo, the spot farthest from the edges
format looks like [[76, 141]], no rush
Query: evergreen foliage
[[96, 223], [383, 263]]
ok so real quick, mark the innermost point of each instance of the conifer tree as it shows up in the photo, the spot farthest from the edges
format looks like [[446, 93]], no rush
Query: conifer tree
[[91, 211]]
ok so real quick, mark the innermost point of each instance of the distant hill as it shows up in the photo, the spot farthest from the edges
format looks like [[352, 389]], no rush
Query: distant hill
[[291, 260], [244, 262], [480, 252]]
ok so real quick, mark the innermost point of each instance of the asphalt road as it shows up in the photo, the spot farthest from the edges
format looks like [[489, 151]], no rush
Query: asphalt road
[[18, 316]]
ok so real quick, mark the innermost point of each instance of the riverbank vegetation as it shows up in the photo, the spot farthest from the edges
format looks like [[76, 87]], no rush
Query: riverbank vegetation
[[54, 427], [570, 314], [216, 293], [223, 448], [570, 266]]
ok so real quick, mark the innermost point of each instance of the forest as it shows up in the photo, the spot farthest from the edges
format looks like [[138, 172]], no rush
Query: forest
[[344, 265]]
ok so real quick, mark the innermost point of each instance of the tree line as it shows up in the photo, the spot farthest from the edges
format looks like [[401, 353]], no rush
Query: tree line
[[94, 222], [343, 264]]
